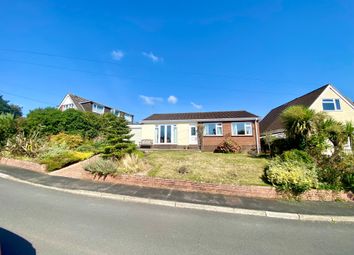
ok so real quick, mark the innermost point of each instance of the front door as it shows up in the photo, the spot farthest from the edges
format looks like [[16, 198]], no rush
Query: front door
[[193, 137]]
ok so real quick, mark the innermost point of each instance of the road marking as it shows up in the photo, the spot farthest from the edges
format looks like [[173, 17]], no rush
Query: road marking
[[212, 208]]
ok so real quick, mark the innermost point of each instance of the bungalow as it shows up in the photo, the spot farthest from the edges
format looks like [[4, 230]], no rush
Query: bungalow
[[180, 130], [85, 105]]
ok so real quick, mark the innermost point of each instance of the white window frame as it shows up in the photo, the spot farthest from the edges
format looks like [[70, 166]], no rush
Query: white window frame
[[68, 106], [245, 124], [217, 124], [95, 108], [173, 134], [334, 102]]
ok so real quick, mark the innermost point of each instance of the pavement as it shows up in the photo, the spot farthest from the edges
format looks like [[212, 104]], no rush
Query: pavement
[[38, 220], [311, 210]]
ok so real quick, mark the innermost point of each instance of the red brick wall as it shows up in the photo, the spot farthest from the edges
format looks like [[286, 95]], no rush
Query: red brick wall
[[246, 142]]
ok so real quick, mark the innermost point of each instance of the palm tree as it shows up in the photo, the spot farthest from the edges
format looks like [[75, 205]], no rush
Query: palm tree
[[349, 132], [298, 123]]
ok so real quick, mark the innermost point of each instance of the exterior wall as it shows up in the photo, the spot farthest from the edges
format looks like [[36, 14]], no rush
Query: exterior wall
[[183, 133], [345, 114], [247, 143], [148, 131], [67, 100], [87, 106], [135, 130]]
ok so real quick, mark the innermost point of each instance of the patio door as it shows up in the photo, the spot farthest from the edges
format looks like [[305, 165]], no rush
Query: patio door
[[193, 136]]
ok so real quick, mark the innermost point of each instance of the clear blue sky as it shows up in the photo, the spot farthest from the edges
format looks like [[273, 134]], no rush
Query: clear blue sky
[[209, 55]]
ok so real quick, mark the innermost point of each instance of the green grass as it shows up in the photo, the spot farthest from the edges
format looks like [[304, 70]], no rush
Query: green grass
[[238, 169]]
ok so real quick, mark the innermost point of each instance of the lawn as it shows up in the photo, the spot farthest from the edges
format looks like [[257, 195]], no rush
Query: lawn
[[239, 169]]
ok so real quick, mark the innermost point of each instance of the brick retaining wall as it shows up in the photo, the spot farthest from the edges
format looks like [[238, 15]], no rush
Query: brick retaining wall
[[242, 191], [23, 164]]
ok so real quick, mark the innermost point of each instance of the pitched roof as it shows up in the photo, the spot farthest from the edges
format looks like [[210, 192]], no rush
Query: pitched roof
[[200, 116], [272, 120]]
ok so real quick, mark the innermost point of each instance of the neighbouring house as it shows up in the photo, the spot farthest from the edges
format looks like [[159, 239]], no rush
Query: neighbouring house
[[326, 98], [180, 130], [71, 101], [135, 131]]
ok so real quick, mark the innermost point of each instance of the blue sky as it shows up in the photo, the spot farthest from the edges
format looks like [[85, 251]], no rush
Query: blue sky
[[149, 57]]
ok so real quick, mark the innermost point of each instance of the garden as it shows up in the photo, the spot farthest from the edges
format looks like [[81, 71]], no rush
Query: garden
[[311, 157]]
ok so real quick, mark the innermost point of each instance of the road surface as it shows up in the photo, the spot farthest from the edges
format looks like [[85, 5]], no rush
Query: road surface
[[55, 222]]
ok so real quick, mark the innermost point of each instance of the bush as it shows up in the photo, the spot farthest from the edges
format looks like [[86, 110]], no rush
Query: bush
[[21, 145], [70, 141], [7, 127], [288, 174], [335, 171], [102, 167], [227, 146], [58, 157], [297, 156], [131, 163]]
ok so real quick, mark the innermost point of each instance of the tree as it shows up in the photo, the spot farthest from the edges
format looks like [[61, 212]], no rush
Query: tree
[[116, 134], [5, 107], [200, 134], [47, 121], [7, 127], [298, 122]]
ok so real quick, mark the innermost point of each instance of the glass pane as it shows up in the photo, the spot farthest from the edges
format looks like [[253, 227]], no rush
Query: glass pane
[[162, 134], [240, 128], [328, 106], [169, 134], [219, 130], [248, 129], [337, 104], [193, 131], [210, 129]]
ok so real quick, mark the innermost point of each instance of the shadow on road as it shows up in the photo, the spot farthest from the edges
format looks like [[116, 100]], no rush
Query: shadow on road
[[12, 244]]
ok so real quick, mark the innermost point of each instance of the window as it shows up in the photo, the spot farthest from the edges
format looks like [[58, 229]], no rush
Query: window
[[241, 128], [166, 134], [213, 129], [331, 104], [97, 108], [67, 106], [128, 118], [115, 112]]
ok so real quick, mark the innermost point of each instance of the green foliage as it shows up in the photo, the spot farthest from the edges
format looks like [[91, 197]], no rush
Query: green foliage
[[24, 145], [293, 172], [5, 107], [116, 135], [102, 167], [7, 127], [349, 132], [297, 121], [70, 141], [47, 121], [51, 121], [278, 146], [57, 157], [333, 170], [297, 156]]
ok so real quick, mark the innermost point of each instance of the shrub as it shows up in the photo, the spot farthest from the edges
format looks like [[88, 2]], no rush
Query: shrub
[[278, 146], [131, 163], [335, 171], [7, 127], [348, 181], [227, 146], [58, 157], [70, 141], [293, 172], [297, 156], [21, 145], [102, 167]]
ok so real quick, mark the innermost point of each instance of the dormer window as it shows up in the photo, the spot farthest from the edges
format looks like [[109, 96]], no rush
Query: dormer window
[[331, 104], [97, 108]]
